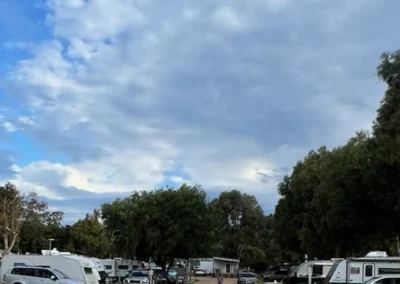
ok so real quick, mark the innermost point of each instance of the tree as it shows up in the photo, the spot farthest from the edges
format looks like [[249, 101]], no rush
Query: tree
[[386, 131], [162, 224], [241, 227], [87, 236], [15, 207]]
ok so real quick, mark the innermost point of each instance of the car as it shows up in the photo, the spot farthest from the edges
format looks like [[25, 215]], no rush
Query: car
[[276, 275], [181, 280], [247, 278], [137, 277], [36, 274], [160, 277], [200, 272]]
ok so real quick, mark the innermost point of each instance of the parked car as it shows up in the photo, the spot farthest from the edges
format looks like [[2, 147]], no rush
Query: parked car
[[200, 272], [181, 280], [277, 275], [160, 277], [36, 274], [247, 278], [137, 277]]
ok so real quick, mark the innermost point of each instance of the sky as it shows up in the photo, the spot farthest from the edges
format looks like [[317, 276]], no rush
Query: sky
[[99, 98]]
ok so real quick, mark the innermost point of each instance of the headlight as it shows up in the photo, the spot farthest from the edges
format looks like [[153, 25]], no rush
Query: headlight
[[145, 281]]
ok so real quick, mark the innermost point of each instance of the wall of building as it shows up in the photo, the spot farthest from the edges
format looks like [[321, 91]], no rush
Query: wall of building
[[220, 266]]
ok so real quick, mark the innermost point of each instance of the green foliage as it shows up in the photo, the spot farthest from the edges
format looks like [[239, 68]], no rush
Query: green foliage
[[87, 236], [162, 224], [344, 202]]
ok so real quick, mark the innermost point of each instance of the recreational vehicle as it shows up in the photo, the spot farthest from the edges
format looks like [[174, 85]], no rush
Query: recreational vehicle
[[109, 267], [101, 269], [90, 262], [119, 268], [315, 270], [77, 269], [362, 269]]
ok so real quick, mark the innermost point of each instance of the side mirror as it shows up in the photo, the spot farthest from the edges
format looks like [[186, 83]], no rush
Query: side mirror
[[53, 278]]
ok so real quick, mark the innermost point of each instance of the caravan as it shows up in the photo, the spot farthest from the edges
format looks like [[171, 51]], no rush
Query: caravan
[[77, 269], [363, 269], [317, 270]]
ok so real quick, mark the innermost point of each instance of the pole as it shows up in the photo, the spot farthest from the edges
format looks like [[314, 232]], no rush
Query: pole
[[50, 240], [310, 274]]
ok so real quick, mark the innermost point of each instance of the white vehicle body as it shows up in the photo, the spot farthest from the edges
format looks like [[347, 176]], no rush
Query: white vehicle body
[[109, 266], [385, 279], [319, 268], [363, 269], [78, 269], [89, 261], [100, 267]]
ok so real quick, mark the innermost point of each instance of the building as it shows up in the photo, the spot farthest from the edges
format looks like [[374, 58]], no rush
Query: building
[[224, 265]]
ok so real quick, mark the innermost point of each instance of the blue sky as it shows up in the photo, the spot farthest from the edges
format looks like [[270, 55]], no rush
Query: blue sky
[[102, 98]]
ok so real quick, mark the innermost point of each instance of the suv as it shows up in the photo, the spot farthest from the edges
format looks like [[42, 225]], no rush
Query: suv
[[35, 274], [137, 277]]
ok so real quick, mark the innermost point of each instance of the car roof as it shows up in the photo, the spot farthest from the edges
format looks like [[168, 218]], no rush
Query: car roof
[[389, 276], [32, 266]]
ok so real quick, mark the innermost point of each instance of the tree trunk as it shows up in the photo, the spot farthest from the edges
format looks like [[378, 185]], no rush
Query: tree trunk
[[398, 244]]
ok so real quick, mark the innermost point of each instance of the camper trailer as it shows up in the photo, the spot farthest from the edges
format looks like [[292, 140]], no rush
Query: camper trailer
[[362, 269], [77, 269], [301, 275], [109, 267], [100, 267], [118, 268], [90, 262]]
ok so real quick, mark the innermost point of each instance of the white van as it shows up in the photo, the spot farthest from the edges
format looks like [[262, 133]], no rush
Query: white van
[[77, 269]]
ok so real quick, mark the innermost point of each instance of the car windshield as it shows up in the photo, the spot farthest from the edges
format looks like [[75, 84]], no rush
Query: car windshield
[[371, 280], [172, 272], [139, 274], [60, 274], [246, 275]]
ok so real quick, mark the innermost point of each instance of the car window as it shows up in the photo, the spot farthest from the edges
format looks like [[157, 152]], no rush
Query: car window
[[138, 274], [43, 273], [27, 272], [88, 270], [16, 271]]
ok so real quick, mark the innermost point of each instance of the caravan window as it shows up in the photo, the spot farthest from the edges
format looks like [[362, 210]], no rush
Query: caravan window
[[386, 271], [88, 270], [125, 267], [317, 269], [355, 270], [108, 267], [368, 271]]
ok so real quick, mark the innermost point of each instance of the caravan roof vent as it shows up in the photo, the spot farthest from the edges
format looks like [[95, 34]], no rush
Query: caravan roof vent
[[377, 254]]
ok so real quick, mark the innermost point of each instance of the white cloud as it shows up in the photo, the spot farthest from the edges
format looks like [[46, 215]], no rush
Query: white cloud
[[224, 93], [8, 126], [229, 18]]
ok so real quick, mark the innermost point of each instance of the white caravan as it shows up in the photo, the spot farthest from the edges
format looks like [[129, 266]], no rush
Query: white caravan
[[317, 269], [100, 267], [362, 269], [109, 267], [118, 268], [77, 269], [87, 260]]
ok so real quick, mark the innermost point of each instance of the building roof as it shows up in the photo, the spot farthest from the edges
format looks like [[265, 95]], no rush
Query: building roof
[[226, 259]]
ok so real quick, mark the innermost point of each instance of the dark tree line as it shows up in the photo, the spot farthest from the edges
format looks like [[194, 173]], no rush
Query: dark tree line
[[346, 201]]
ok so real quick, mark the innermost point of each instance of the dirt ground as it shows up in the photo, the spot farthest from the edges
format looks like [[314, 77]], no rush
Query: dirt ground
[[210, 280]]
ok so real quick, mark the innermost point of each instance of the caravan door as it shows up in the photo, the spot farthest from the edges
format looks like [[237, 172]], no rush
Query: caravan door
[[368, 271], [355, 273]]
